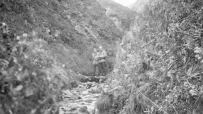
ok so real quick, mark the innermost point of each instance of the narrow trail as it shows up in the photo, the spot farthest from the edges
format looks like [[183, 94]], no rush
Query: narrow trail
[[85, 94]]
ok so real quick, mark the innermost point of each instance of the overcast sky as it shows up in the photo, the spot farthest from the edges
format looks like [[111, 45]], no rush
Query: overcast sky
[[125, 2]]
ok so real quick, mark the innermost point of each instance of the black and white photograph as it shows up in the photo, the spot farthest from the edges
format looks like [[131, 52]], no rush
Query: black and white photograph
[[101, 56]]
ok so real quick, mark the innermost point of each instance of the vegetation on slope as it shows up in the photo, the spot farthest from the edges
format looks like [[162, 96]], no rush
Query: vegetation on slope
[[73, 28], [24, 87], [42, 45], [161, 60]]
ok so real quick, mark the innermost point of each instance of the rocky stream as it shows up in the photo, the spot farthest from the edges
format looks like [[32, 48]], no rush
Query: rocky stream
[[85, 94]]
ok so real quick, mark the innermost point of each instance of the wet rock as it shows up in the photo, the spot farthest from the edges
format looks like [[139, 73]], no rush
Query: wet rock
[[83, 110], [89, 85], [74, 84], [97, 79], [69, 95], [95, 90], [85, 92], [63, 65]]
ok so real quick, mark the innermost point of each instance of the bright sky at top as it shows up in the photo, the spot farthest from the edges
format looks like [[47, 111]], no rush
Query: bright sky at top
[[125, 2]]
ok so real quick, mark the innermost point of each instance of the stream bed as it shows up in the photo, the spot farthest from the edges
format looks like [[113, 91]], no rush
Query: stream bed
[[85, 94]]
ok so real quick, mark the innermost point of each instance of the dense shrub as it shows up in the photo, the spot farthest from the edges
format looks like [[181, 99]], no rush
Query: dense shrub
[[30, 79], [161, 59]]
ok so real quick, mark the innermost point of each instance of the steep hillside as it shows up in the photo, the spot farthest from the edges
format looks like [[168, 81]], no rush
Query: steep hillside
[[139, 5], [122, 16], [74, 27]]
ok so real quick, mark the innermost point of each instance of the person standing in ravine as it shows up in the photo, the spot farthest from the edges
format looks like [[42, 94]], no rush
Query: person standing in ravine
[[102, 61]]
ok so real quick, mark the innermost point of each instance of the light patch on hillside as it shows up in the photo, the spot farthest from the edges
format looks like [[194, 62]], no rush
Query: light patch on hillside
[[139, 5], [125, 2]]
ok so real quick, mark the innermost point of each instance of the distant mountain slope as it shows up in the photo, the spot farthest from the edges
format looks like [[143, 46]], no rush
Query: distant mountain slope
[[139, 5], [116, 10], [81, 24]]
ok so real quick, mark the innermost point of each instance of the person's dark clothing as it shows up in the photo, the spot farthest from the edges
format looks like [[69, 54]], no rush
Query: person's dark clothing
[[102, 70]]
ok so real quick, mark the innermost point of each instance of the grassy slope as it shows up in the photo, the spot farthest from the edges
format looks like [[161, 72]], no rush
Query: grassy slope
[[82, 25]]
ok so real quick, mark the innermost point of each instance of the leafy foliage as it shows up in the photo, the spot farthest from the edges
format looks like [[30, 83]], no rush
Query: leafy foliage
[[30, 79], [161, 59]]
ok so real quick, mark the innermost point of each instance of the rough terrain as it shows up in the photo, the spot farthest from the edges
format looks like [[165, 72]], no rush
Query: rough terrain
[[85, 94], [72, 28]]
